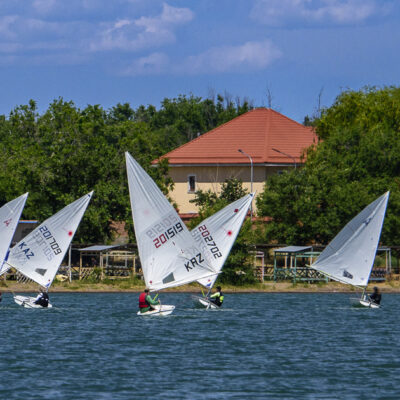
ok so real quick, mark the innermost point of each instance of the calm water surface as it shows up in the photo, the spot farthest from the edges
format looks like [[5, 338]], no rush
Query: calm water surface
[[260, 346]]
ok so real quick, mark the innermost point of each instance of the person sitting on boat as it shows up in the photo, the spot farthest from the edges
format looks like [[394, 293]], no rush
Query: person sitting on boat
[[146, 302], [42, 299], [376, 296], [218, 297]]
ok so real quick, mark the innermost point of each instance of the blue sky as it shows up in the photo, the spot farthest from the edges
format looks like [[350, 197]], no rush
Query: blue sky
[[141, 51]]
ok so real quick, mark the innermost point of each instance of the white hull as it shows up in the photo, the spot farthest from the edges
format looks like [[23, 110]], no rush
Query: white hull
[[368, 303], [162, 310], [203, 302], [28, 302], [357, 302]]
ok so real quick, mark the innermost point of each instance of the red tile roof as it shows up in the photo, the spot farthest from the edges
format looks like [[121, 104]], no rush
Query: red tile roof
[[256, 132]]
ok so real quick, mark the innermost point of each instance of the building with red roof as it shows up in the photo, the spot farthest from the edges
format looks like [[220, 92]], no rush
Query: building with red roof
[[272, 141]]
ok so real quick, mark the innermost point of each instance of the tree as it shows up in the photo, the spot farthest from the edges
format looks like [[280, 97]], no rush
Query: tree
[[65, 152], [356, 162]]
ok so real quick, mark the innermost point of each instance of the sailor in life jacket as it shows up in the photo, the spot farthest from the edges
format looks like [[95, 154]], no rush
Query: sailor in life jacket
[[42, 299], [146, 302], [376, 297], [218, 297]]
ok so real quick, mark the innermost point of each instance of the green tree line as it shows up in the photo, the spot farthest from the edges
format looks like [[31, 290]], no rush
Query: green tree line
[[356, 161], [64, 152]]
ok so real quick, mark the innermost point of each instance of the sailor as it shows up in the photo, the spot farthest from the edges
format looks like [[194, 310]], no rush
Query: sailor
[[42, 299], [218, 297], [376, 296], [146, 302]]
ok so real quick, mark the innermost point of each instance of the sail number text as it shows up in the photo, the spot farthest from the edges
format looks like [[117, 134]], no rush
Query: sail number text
[[44, 238], [164, 230], [208, 239]]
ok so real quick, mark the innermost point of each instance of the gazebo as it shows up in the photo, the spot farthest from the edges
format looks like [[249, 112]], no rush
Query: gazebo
[[108, 259], [294, 265]]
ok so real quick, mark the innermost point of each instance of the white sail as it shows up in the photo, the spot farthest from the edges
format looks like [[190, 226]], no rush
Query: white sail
[[349, 257], [39, 255], [216, 235], [169, 255], [9, 217]]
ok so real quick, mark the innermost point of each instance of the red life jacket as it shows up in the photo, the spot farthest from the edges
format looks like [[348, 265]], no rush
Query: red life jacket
[[142, 301]]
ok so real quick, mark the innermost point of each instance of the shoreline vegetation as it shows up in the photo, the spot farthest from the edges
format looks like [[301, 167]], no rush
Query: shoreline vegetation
[[116, 286]]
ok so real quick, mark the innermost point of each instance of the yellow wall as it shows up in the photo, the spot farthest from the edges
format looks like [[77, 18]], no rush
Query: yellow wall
[[211, 178]]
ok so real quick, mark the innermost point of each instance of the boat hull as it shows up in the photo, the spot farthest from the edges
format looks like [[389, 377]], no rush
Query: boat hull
[[357, 302], [159, 310], [369, 304], [203, 302], [28, 302]]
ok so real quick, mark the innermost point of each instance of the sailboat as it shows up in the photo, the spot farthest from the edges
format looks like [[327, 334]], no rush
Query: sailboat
[[39, 255], [10, 214], [216, 236], [168, 253], [349, 257]]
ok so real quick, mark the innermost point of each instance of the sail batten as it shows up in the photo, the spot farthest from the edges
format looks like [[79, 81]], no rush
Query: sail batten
[[349, 257], [165, 244]]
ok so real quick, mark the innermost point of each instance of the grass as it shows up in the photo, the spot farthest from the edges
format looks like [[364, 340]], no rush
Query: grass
[[137, 285]]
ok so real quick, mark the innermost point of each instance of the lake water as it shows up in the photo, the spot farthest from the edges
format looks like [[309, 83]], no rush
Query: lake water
[[260, 346]]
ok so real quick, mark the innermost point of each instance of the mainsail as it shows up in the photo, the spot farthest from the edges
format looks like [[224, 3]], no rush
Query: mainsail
[[216, 234], [9, 217], [39, 255], [349, 257], [168, 253]]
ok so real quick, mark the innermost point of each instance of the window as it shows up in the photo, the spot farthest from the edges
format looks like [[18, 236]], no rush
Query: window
[[191, 183]]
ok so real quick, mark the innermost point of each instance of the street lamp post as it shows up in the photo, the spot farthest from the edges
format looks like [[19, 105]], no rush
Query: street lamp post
[[251, 180], [287, 155]]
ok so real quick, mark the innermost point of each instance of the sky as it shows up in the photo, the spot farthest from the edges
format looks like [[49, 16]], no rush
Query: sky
[[292, 55]]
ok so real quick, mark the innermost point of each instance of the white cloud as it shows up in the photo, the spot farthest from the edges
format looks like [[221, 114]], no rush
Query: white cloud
[[279, 12], [142, 33], [153, 64], [250, 56]]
